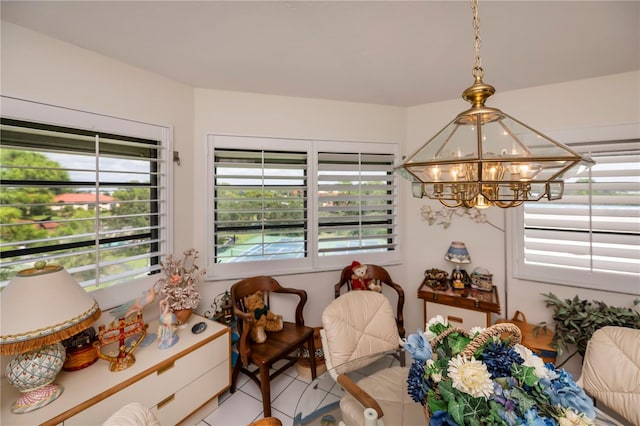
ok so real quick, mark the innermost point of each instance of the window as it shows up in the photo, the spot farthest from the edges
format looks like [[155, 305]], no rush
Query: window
[[91, 201], [260, 205], [356, 197], [286, 205], [590, 238]]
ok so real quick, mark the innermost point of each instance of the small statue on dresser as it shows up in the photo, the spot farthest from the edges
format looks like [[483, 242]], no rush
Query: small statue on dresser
[[167, 326], [437, 279]]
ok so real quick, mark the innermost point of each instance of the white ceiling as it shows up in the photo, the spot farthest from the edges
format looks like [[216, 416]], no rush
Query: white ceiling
[[387, 52]]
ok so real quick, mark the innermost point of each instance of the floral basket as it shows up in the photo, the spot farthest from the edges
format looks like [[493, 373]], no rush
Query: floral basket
[[486, 377]]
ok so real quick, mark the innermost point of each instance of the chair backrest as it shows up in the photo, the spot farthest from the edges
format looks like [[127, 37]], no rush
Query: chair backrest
[[357, 324], [379, 275]]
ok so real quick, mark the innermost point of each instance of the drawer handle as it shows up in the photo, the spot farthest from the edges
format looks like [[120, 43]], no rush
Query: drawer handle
[[166, 401], [455, 319], [165, 368]]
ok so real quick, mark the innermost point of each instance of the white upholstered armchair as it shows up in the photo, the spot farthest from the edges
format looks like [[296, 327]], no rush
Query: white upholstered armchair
[[357, 325], [611, 371]]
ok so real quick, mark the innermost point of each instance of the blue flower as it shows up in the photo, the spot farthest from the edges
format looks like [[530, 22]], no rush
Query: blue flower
[[441, 418], [498, 357], [565, 392], [532, 418], [418, 346], [417, 385]]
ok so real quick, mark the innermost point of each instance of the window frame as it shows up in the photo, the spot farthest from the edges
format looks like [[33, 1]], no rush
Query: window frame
[[571, 277], [30, 111], [312, 262]]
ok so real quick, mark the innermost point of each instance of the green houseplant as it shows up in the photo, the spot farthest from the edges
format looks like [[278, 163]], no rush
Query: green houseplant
[[576, 320]]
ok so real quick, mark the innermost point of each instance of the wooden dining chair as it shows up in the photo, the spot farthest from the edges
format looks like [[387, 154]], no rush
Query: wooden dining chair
[[280, 345], [379, 275]]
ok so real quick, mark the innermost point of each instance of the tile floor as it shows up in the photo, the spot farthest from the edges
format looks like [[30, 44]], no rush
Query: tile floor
[[245, 405]]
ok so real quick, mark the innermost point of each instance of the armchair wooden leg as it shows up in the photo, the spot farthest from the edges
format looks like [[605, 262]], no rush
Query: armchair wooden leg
[[234, 375], [265, 385], [312, 356]]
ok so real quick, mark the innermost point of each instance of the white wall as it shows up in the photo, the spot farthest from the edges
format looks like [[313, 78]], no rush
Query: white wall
[[247, 114], [599, 108], [39, 68]]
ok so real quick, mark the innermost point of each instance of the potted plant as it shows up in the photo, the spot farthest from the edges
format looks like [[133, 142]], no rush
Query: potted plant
[[576, 320], [180, 283]]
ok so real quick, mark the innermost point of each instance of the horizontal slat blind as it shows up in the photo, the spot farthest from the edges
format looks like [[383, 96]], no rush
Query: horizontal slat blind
[[356, 203], [596, 225], [91, 202], [260, 207]]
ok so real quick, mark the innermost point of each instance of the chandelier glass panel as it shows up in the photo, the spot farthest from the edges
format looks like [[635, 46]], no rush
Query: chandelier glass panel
[[485, 157]]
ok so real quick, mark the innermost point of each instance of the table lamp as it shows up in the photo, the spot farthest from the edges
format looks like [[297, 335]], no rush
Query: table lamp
[[458, 254], [41, 306]]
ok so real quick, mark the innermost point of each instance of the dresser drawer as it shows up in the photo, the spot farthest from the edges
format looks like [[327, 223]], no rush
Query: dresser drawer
[[156, 387], [172, 409], [464, 318]]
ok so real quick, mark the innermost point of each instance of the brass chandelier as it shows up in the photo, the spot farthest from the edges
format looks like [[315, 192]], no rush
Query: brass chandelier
[[485, 157]]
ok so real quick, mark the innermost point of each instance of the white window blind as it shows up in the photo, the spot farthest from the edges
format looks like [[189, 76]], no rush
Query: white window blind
[[281, 206], [90, 201], [591, 237], [356, 203], [260, 205]]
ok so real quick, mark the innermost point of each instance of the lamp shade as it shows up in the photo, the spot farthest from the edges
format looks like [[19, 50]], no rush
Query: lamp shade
[[43, 305], [457, 253]]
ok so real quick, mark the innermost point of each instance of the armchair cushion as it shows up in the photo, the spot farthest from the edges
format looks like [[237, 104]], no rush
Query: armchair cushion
[[611, 370], [359, 326]]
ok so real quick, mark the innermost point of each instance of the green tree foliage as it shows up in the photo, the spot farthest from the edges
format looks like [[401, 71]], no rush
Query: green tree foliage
[[134, 203], [18, 165], [24, 231]]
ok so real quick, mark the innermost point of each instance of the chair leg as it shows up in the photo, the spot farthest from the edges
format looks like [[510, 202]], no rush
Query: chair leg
[[312, 356], [265, 385], [235, 374]]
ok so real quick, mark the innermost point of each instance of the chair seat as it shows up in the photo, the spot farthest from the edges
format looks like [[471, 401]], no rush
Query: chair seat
[[279, 343], [388, 388]]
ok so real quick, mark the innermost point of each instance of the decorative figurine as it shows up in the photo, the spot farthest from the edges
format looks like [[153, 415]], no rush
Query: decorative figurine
[[127, 333], [167, 325], [135, 305], [222, 309]]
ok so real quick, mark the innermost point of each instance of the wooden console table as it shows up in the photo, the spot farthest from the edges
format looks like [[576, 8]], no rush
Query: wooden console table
[[465, 308]]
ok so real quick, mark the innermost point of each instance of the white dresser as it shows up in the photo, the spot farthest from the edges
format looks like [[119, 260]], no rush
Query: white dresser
[[172, 382]]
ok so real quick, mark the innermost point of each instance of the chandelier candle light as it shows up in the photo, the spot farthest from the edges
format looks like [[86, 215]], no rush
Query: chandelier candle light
[[485, 157]]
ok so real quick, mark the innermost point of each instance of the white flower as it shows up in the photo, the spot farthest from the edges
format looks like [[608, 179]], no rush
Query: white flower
[[433, 371], [438, 319], [571, 418], [533, 360], [470, 376], [476, 330]]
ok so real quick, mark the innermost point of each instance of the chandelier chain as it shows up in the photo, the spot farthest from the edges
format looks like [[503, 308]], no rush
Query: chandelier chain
[[478, 72]]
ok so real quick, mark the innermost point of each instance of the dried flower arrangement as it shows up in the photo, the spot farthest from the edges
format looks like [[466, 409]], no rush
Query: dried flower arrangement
[[181, 279]]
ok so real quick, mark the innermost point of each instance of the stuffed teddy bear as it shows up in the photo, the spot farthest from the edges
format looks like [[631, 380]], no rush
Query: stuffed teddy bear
[[359, 280], [265, 320]]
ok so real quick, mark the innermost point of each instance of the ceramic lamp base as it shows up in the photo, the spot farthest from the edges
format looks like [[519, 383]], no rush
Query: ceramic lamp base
[[33, 373], [34, 399]]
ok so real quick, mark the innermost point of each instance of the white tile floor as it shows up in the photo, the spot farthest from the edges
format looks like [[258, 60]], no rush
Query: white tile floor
[[245, 405]]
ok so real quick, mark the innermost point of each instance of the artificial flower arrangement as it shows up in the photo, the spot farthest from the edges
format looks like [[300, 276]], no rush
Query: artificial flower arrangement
[[180, 282], [485, 377]]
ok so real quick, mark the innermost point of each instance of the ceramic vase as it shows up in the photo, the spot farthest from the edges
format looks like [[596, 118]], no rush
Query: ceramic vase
[[182, 315]]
